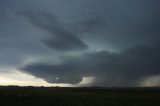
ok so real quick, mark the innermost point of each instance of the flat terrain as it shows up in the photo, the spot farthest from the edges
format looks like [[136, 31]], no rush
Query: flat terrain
[[94, 96]]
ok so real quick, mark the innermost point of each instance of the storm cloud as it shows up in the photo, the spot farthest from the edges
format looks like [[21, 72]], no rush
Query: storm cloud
[[128, 68], [58, 37], [114, 41]]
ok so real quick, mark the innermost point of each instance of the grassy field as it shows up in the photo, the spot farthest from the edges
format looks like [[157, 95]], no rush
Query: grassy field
[[41, 96]]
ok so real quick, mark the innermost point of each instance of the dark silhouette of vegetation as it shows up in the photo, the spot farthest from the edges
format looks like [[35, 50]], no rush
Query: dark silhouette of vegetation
[[89, 96]]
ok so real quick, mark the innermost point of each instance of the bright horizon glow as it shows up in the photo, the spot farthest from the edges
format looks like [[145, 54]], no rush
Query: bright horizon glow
[[151, 81], [23, 79], [18, 78]]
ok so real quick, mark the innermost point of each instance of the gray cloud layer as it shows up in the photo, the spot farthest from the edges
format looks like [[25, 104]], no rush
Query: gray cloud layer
[[58, 37], [125, 69], [35, 29]]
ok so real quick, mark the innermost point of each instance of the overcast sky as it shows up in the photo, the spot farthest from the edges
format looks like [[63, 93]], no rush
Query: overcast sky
[[80, 42]]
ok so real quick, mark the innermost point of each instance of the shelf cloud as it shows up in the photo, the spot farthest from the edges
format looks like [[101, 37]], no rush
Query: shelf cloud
[[110, 69], [114, 42]]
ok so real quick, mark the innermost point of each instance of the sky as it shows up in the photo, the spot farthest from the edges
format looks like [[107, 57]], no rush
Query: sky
[[80, 43]]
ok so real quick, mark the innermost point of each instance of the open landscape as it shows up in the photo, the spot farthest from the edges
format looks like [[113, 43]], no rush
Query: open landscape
[[79, 52], [89, 96]]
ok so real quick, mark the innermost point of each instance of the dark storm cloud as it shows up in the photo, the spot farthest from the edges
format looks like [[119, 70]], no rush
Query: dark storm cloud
[[125, 69], [125, 23], [28, 28], [90, 23], [58, 37]]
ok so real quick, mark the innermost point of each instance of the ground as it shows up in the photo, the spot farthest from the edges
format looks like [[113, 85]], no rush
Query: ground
[[90, 96]]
